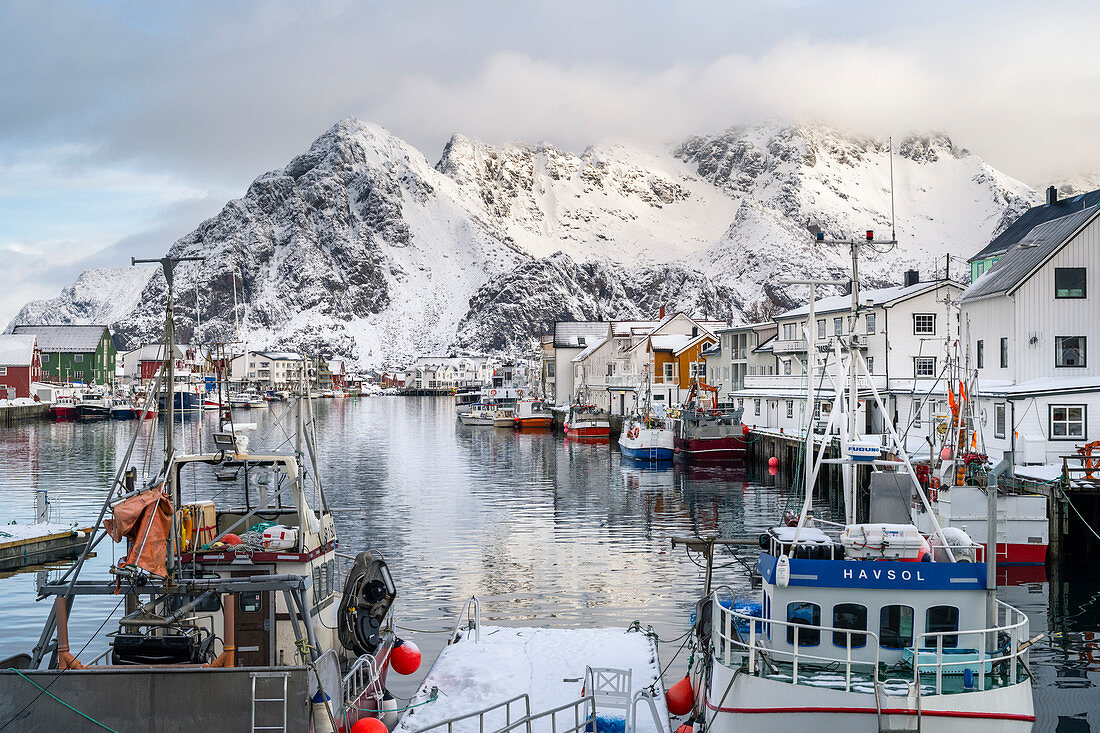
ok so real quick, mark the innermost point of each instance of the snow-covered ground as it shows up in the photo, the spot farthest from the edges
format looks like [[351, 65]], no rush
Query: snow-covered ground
[[14, 532], [548, 664]]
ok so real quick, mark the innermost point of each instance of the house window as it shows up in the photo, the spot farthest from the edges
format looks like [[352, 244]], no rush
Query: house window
[[838, 326], [1067, 422], [939, 619], [1004, 353], [821, 328], [786, 366], [756, 407], [981, 354], [78, 358], [45, 358], [999, 420], [918, 408], [870, 365], [924, 366], [870, 323], [807, 614], [895, 627], [850, 616], [924, 323], [1069, 351], [1069, 282], [78, 374], [580, 341], [668, 371], [3, 371], [790, 408]]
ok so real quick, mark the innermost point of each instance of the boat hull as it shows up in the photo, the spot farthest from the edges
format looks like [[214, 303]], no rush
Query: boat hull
[[716, 448], [647, 444], [93, 412], [123, 413], [533, 423], [64, 412], [746, 704], [598, 429]]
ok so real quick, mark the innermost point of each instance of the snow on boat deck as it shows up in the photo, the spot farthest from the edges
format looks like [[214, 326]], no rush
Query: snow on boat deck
[[547, 664]]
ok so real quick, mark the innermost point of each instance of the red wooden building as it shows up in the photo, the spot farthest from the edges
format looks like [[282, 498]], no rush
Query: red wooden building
[[20, 364]]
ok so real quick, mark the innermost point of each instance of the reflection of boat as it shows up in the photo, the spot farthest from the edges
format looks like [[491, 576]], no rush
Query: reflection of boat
[[647, 474], [587, 421], [704, 434], [531, 414]]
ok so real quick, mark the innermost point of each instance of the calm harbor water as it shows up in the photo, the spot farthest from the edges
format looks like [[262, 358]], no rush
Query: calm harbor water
[[544, 531]]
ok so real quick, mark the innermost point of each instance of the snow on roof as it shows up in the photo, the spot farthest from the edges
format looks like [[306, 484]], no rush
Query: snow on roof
[[279, 355], [766, 346], [669, 341], [17, 349], [880, 296], [589, 349], [566, 333], [70, 339], [694, 340], [1034, 248], [626, 328]]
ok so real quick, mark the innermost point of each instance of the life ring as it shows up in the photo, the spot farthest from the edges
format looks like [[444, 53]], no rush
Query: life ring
[[934, 483], [519, 392], [186, 529], [492, 393]]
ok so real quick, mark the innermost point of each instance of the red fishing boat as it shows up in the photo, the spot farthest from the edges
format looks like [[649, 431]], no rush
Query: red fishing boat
[[587, 421], [531, 414], [706, 433]]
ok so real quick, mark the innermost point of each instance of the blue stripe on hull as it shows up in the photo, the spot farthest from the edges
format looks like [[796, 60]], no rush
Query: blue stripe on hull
[[647, 454]]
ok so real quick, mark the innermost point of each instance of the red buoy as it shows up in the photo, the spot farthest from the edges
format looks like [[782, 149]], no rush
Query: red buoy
[[231, 539], [745, 430], [680, 698], [369, 725], [405, 657], [773, 462]]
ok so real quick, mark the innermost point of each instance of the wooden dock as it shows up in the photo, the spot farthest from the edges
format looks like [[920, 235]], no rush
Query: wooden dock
[[23, 545], [11, 414]]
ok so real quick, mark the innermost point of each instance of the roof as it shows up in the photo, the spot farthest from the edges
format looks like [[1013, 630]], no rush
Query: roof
[[1017, 264], [279, 355], [714, 349], [587, 351], [626, 328], [1032, 218], [669, 341], [17, 349], [567, 333], [155, 352], [1043, 385], [72, 339], [766, 346], [695, 340], [880, 296]]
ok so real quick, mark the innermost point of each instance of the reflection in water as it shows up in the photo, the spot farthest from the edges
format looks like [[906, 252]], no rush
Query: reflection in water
[[543, 530]]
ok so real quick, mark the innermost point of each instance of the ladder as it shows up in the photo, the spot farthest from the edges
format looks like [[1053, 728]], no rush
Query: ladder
[[256, 701], [912, 722]]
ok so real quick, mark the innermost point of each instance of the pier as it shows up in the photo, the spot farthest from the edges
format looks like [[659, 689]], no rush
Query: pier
[[23, 545], [11, 414]]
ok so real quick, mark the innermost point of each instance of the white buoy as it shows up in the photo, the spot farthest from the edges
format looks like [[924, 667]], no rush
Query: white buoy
[[783, 571], [389, 707], [322, 720]]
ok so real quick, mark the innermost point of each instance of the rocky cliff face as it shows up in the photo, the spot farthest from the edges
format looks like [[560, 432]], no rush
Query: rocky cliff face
[[361, 247]]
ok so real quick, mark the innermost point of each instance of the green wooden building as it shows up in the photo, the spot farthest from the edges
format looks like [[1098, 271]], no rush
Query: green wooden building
[[75, 353]]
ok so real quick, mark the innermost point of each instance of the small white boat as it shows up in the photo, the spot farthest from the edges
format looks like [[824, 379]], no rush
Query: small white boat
[[647, 437]]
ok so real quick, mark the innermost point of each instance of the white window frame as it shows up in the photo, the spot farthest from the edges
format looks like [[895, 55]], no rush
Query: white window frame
[[1083, 422], [1000, 419], [756, 406], [924, 324], [870, 364], [3, 371], [78, 358], [790, 409], [924, 359], [667, 371], [871, 323]]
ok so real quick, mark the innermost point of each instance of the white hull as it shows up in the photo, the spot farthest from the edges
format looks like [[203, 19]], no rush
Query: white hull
[[759, 705]]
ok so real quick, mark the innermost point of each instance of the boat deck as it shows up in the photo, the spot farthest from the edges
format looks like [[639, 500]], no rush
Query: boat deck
[[548, 665]]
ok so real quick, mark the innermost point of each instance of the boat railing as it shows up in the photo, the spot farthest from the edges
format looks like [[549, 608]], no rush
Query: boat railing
[[481, 715], [358, 679], [1006, 639], [582, 710], [728, 639], [471, 614]]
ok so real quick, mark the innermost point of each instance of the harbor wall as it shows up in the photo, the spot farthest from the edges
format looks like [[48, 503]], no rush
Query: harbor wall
[[11, 414]]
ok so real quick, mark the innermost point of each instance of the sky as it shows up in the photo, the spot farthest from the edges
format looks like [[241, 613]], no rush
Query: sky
[[124, 124]]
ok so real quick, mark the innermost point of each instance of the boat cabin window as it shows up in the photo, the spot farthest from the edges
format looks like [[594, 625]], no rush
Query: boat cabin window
[[939, 619], [808, 614], [895, 627], [851, 616], [250, 602]]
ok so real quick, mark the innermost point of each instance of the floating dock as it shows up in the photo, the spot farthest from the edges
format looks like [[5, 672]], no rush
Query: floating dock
[[538, 671], [22, 545]]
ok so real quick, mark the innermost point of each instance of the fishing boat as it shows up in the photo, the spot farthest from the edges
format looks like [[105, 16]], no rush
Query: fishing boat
[[240, 401], [93, 405], [587, 421], [185, 398], [647, 436], [225, 621], [504, 417], [866, 625], [64, 408], [466, 401], [122, 409], [705, 433], [256, 402], [480, 414], [531, 415]]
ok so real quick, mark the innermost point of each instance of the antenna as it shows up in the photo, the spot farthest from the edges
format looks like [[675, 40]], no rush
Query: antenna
[[893, 233]]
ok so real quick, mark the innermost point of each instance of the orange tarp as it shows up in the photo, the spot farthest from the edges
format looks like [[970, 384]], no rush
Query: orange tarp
[[145, 520]]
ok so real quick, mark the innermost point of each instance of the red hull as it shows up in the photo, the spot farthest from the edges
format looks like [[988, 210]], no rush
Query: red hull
[[728, 448], [1021, 554], [64, 412], [588, 431]]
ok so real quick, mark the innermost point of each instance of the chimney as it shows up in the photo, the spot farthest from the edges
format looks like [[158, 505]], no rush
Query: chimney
[[1052, 195], [912, 277], [661, 314]]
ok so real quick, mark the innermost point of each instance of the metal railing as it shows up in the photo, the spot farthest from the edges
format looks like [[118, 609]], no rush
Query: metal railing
[[1011, 622], [727, 640], [583, 712], [449, 723], [471, 612], [363, 674]]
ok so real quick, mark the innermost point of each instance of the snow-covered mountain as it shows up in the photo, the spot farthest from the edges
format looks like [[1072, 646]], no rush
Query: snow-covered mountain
[[362, 247]]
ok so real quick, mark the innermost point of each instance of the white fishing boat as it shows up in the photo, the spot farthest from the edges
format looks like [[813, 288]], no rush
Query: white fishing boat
[[647, 434], [479, 414], [865, 625]]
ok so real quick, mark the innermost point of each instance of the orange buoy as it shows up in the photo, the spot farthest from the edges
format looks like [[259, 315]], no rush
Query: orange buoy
[[231, 539], [369, 725], [680, 698], [405, 657]]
